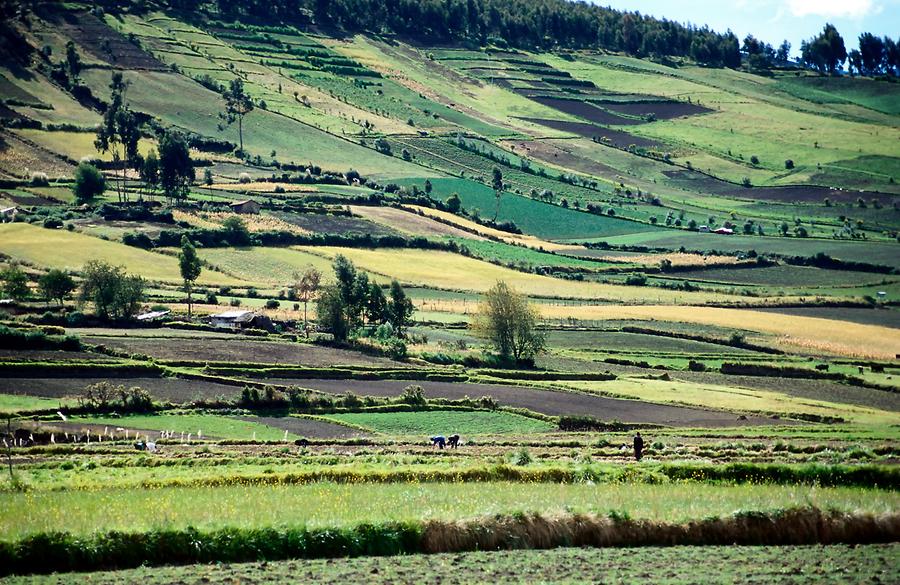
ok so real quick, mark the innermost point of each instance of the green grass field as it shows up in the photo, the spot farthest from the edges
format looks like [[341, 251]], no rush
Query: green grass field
[[544, 220], [443, 422], [208, 426], [331, 505], [196, 108]]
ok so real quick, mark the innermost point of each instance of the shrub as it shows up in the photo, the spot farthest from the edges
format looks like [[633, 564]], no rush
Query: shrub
[[521, 457], [272, 304], [138, 240], [89, 183], [39, 179], [414, 395], [696, 366], [788, 164]]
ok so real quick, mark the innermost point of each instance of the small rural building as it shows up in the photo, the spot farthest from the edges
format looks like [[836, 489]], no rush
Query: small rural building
[[241, 319], [245, 206]]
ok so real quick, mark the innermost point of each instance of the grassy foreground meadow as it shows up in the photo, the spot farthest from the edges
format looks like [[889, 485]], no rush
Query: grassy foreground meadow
[[445, 292]]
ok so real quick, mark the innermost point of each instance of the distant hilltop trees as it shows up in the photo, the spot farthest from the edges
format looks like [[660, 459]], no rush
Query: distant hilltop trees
[[545, 24], [517, 23]]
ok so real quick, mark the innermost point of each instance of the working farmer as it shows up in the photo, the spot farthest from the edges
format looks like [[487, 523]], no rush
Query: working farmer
[[638, 446]]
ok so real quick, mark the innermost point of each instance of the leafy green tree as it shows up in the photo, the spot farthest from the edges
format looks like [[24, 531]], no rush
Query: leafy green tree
[[150, 170], [73, 61], [89, 183], [400, 309], [825, 52], [190, 266], [237, 105], [56, 285], [453, 203], [376, 305], [341, 307], [784, 51], [507, 321], [176, 168], [330, 313], [236, 232], [871, 54], [114, 294], [15, 283]]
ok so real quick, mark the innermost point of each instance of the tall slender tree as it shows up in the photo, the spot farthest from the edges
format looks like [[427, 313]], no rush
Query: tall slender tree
[[119, 131], [237, 105], [306, 287], [497, 186], [190, 266]]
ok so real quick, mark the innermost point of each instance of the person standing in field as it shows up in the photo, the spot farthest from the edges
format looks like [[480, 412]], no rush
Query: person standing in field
[[638, 446]]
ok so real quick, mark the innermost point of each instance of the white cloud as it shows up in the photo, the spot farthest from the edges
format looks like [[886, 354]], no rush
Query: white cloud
[[833, 8]]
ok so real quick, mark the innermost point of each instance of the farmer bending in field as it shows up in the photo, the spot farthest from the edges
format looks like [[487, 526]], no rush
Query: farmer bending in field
[[638, 446], [439, 441], [453, 441]]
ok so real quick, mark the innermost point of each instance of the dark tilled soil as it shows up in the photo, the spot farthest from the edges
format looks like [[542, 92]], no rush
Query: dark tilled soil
[[548, 151], [883, 317], [105, 43], [50, 356], [679, 565], [237, 350], [662, 110], [616, 138], [794, 193], [161, 389], [587, 111], [334, 224], [539, 400], [304, 427]]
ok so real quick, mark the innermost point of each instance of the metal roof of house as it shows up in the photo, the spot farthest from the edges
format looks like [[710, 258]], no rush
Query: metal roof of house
[[232, 314]]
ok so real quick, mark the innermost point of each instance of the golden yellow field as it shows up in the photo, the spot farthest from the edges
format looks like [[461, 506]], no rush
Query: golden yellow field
[[71, 250], [254, 223], [813, 333], [264, 187], [445, 270], [731, 398]]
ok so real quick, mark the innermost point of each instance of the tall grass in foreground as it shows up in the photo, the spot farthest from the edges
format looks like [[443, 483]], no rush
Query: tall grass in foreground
[[319, 505], [59, 551]]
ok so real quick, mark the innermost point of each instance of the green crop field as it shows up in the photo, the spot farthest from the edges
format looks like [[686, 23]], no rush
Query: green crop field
[[443, 422], [198, 425]]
